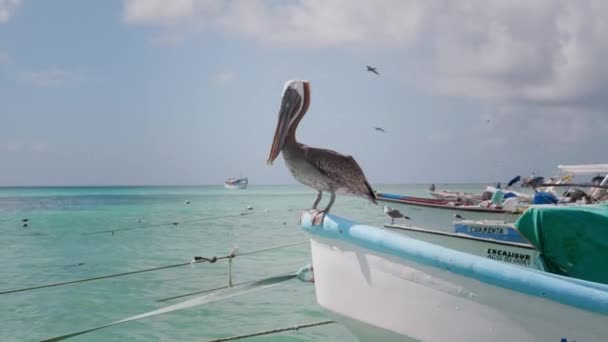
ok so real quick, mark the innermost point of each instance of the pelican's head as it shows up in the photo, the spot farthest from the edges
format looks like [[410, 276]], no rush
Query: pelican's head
[[294, 104]]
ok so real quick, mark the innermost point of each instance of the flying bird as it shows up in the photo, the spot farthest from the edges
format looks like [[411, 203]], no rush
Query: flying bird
[[394, 213], [321, 169], [373, 69], [380, 129]]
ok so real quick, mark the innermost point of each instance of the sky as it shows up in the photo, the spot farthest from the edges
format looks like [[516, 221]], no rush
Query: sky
[[187, 92]]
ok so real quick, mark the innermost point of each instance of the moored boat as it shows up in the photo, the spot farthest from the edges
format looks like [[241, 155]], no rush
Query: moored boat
[[439, 214], [495, 244], [385, 286], [236, 183]]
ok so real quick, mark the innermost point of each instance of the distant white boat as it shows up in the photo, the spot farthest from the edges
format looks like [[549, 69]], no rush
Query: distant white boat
[[236, 183]]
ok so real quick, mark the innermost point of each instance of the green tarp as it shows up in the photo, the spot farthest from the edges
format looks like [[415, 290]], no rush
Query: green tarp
[[572, 240]]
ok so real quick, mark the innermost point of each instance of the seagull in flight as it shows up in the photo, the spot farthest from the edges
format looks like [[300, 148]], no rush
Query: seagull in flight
[[373, 69], [380, 129]]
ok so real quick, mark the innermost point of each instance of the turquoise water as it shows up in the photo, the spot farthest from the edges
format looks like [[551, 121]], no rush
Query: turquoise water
[[62, 243]]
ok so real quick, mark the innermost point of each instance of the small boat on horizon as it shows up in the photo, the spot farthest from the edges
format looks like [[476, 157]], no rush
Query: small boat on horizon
[[236, 183]]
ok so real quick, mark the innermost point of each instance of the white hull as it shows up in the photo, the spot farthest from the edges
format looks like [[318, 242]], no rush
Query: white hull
[[423, 292], [510, 252], [235, 186], [443, 219]]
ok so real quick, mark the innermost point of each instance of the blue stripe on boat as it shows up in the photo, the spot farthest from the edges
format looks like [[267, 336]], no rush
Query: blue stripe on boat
[[573, 292]]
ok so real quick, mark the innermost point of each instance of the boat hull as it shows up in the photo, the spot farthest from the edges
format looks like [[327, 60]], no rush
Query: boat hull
[[441, 216], [410, 292], [235, 186], [521, 254]]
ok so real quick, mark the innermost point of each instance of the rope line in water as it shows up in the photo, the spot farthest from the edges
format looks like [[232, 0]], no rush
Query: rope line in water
[[156, 225], [273, 331], [195, 261], [213, 289]]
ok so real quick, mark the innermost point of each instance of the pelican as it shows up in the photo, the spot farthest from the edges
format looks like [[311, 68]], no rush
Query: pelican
[[321, 169], [394, 213], [373, 69]]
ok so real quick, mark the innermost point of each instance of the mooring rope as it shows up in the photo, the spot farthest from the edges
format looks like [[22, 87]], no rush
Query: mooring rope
[[174, 223], [273, 331], [213, 289], [197, 259]]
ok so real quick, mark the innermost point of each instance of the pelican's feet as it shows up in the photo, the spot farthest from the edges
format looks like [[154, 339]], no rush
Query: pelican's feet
[[317, 216]]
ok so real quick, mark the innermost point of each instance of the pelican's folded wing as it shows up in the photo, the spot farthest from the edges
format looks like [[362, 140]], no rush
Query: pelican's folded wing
[[342, 170]]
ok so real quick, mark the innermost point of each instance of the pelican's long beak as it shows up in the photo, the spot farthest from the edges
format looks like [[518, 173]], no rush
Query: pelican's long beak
[[291, 105], [279, 136]]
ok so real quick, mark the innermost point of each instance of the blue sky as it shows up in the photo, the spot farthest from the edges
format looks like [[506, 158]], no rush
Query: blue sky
[[187, 91]]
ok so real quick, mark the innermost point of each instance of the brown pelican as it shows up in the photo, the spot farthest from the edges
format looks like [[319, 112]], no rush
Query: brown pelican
[[394, 213], [373, 69], [320, 169]]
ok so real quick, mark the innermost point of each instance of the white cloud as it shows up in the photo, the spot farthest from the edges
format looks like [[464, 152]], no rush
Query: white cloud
[[169, 12], [7, 7], [513, 53], [224, 78], [52, 77]]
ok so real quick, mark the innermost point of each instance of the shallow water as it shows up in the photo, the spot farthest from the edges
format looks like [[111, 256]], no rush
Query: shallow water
[[63, 242]]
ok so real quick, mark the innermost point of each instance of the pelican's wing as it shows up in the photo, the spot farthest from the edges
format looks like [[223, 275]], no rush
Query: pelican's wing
[[343, 170]]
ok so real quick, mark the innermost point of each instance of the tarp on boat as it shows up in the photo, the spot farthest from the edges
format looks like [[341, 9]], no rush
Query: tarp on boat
[[572, 240]]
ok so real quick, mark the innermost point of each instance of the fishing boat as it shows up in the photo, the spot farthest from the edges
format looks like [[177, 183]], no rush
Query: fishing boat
[[455, 195], [496, 241], [570, 175], [236, 183], [439, 214], [385, 286]]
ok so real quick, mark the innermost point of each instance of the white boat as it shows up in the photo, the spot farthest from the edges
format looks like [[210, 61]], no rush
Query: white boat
[[471, 239], [568, 173], [489, 229], [439, 214], [384, 286], [236, 183], [455, 195]]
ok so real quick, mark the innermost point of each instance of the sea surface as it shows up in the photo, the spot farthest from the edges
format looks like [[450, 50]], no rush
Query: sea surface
[[81, 232]]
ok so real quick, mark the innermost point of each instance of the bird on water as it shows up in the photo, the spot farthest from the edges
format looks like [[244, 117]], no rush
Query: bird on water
[[321, 169]]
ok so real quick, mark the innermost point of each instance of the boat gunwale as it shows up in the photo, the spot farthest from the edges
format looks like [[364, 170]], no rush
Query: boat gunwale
[[460, 236]]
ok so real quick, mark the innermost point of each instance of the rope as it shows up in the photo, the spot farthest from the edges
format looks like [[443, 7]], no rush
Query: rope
[[175, 223], [196, 260], [213, 289], [274, 331]]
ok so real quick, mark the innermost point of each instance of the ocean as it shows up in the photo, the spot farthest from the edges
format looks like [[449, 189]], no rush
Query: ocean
[[82, 232]]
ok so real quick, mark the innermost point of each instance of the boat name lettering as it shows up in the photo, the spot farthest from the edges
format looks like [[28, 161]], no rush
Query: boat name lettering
[[508, 256], [487, 230]]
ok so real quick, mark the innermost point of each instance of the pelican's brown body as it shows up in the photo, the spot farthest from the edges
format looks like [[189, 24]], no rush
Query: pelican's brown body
[[320, 169]]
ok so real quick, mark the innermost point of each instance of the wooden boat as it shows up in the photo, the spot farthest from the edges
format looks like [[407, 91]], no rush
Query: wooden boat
[[384, 286]]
